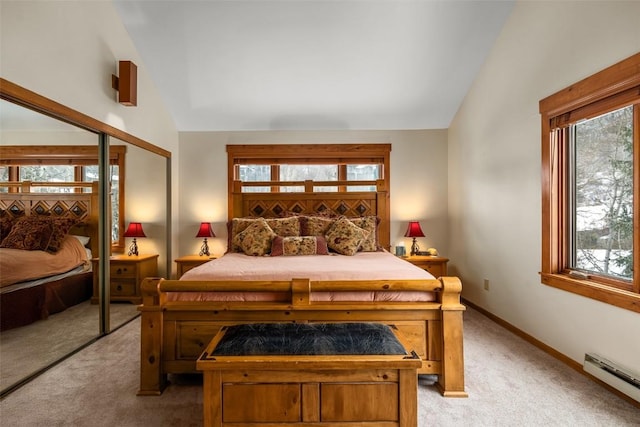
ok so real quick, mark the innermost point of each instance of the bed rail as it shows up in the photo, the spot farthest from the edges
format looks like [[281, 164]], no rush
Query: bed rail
[[447, 289], [168, 326]]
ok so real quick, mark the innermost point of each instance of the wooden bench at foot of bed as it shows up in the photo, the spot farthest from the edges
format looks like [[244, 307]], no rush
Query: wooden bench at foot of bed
[[174, 333], [309, 374]]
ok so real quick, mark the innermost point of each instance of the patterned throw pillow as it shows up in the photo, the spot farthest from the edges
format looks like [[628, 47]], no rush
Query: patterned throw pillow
[[370, 224], [299, 245], [315, 225], [29, 233], [6, 223], [256, 238], [345, 237], [61, 227], [285, 227], [289, 226]]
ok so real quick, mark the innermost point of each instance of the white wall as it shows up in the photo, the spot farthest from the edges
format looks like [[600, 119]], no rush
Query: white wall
[[67, 51], [495, 175], [418, 179]]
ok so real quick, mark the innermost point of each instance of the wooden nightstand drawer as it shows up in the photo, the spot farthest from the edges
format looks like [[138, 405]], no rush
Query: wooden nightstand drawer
[[123, 288], [122, 270], [188, 262], [435, 269], [435, 265], [125, 274]]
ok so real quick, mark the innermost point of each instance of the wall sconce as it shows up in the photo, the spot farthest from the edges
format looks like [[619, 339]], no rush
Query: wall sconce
[[134, 230], [414, 231], [126, 83], [205, 231]]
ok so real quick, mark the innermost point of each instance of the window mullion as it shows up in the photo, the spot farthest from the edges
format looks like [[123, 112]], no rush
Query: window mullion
[[570, 209]]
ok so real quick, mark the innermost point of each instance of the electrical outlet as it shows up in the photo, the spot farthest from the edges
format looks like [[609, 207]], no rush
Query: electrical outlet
[[486, 284]]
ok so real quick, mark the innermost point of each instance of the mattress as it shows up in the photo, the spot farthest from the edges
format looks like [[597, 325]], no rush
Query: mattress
[[361, 266], [19, 266]]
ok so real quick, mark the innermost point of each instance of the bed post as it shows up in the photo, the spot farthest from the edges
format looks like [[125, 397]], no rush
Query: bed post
[[451, 380], [152, 379]]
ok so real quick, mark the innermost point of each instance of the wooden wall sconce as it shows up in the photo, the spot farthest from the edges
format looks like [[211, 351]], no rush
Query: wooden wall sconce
[[127, 83]]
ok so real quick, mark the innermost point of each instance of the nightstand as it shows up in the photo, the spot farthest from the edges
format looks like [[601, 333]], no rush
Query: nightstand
[[188, 262], [435, 265], [126, 273]]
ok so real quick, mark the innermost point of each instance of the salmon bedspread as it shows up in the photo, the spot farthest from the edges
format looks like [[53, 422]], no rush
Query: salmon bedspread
[[17, 265], [377, 266]]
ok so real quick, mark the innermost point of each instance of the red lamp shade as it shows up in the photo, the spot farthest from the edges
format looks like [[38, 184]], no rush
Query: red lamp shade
[[134, 230], [205, 230], [414, 230]]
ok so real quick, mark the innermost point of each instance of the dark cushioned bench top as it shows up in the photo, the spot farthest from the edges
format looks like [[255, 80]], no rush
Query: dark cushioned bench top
[[262, 339]]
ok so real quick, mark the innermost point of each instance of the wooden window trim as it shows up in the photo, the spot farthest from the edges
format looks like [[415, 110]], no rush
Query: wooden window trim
[[619, 82]]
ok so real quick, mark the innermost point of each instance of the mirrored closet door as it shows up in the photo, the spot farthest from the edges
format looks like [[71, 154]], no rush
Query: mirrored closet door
[[49, 169]]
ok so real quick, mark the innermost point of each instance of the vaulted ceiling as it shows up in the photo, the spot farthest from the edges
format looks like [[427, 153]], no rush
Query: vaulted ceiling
[[313, 65]]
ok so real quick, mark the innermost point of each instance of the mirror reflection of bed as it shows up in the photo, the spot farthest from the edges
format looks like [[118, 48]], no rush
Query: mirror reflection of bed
[[62, 320], [51, 335]]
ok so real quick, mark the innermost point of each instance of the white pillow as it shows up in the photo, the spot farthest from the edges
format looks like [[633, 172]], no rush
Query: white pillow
[[83, 239]]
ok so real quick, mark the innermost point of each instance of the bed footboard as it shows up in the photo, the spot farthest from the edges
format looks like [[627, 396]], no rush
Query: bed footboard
[[174, 333]]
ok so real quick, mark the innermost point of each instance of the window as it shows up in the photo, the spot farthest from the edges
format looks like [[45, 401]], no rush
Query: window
[[280, 163], [601, 194], [67, 164], [591, 186], [48, 173], [90, 173]]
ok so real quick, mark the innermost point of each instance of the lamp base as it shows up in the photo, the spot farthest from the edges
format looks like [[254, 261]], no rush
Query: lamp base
[[133, 248], [414, 247], [204, 250]]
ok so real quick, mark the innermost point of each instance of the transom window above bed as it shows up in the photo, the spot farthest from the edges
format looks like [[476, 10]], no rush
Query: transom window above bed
[[289, 172], [269, 168]]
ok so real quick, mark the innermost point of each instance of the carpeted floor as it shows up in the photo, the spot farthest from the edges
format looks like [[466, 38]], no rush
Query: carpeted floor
[[510, 383], [28, 349]]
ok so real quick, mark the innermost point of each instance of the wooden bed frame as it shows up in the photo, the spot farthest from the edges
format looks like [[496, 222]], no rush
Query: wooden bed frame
[[25, 306], [174, 333]]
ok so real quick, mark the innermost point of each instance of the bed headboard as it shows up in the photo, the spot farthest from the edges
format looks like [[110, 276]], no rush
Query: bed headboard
[[349, 203], [81, 203]]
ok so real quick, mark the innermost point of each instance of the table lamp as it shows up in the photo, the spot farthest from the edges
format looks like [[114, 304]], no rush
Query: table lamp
[[134, 230], [414, 231], [205, 231]]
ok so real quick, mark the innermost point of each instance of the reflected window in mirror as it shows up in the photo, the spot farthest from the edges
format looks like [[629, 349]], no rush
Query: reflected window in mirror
[[67, 164]]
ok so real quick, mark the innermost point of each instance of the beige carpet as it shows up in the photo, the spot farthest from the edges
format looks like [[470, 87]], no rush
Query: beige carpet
[[28, 349], [510, 383]]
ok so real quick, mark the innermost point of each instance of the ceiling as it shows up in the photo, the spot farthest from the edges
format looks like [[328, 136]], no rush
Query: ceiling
[[312, 65]]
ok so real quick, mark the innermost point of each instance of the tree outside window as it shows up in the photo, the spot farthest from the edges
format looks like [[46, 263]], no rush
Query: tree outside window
[[603, 194]]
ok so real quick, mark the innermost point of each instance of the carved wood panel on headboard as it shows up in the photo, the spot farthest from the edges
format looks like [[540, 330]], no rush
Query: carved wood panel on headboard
[[82, 206], [349, 204]]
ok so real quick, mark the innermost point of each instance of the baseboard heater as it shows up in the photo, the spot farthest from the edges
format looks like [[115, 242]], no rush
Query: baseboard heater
[[617, 377]]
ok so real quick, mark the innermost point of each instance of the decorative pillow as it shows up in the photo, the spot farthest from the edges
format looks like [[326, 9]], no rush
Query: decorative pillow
[[281, 226], [299, 245], [82, 239], [345, 237], [29, 233], [235, 227], [315, 225], [6, 223], [61, 227], [370, 224], [285, 227], [256, 238]]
